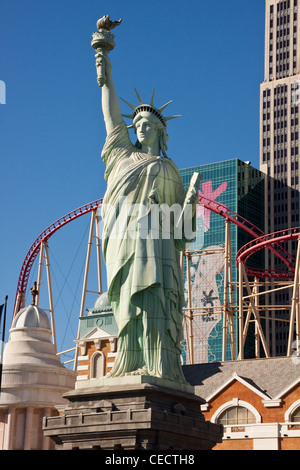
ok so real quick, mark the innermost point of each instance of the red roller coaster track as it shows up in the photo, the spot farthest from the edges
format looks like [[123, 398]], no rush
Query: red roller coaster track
[[44, 237], [266, 241], [261, 240], [257, 234]]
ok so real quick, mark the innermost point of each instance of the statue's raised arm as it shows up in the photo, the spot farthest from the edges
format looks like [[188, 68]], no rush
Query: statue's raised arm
[[103, 42], [110, 103]]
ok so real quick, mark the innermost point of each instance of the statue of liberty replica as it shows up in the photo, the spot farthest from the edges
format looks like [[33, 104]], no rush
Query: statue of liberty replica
[[144, 278], [144, 403]]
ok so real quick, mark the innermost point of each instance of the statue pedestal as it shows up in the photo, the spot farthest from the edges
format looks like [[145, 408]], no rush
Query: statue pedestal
[[132, 415]]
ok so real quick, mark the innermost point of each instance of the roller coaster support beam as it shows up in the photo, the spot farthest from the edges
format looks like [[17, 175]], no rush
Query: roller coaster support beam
[[256, 316], [94, 219], [241, 312], [40, 271], [19, 303], [44, 253], [242, 334], [255, 291], [50, 293], [295, 313], [256, 333], [228, 319]]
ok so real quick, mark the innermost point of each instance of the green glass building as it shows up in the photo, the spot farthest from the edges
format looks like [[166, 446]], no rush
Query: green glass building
[[240, 187]]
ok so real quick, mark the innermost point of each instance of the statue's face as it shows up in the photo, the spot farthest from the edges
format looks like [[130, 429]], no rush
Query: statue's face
[[146, 131]]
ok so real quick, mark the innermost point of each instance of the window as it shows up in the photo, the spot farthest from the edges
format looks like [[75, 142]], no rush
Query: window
[[295, 418], [236, 415], [97, 365]]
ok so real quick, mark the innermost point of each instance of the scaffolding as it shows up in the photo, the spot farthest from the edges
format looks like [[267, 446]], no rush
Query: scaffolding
[[249, 304]]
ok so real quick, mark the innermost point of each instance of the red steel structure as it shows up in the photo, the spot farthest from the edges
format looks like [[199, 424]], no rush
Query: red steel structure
[[257, 234], [36, 246]]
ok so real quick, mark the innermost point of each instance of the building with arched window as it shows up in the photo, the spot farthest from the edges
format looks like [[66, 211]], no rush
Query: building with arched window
[[257, 401], [97, 341]]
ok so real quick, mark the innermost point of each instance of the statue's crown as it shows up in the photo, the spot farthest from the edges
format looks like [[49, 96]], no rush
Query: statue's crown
[[143, 107]]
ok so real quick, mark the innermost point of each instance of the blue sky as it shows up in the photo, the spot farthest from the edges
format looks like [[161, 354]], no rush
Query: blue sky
[[205, 56]]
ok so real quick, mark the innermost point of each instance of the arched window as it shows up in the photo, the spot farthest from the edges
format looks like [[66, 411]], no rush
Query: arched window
[[292, 415], [236, 415], [295, 417], [97, 365]]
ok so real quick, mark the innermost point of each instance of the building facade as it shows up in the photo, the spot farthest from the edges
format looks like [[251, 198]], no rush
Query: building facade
[[238, 187], [33, 382], [279, 141], [97, 343], [257, 401]]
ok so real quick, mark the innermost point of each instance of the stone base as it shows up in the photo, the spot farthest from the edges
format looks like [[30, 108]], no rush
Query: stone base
[[132, 416], [134, 380]]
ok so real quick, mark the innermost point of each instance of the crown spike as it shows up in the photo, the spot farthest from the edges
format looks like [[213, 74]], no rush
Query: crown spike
[[152, 98], [172, 117], [138, 97], [164, 106], [128, 104], [129, 116]]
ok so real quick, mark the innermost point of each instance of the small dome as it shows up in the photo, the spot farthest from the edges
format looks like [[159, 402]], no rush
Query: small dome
[[30, 339], [101, 305], [32, 372], [31, 317]]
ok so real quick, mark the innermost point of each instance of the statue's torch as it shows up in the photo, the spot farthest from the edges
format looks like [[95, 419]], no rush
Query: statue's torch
[[103, 43]]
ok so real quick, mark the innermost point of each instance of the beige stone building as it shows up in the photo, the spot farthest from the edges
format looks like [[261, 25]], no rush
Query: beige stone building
[[279, 140], [33, 382]]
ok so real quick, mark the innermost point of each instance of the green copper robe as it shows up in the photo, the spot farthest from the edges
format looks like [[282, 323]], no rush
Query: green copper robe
[[145, 286]]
